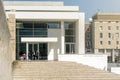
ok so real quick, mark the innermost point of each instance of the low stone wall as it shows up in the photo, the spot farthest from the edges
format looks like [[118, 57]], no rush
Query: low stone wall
[[5, 59], [96, 61]]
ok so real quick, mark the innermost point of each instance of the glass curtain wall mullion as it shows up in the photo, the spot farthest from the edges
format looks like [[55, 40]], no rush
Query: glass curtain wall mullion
[[17, 43], [32, 29]]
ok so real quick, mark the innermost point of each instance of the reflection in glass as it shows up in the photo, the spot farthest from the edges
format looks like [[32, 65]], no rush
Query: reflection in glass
[[53, 25]]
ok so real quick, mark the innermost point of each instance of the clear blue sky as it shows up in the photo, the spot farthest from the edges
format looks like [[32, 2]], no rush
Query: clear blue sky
[[90, 7]]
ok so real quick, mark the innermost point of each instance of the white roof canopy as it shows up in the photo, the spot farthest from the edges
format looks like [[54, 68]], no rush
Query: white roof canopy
[[36, 39]]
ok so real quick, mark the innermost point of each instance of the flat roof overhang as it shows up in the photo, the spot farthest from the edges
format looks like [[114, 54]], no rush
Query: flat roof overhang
[[47, 15], [38, 40]]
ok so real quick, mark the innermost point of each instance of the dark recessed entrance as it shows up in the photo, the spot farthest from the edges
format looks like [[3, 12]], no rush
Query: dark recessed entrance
[[37, 51]]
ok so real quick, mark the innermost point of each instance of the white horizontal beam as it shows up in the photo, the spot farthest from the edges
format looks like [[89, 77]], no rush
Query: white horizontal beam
[[35, 39], [33, 3], [46, 15], [43, 8]]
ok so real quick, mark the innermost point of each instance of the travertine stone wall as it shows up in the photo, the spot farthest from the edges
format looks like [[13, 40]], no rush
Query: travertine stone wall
[[5, 56], [12, 29]]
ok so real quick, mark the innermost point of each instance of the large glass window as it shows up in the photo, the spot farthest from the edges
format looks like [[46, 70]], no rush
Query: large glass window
[[40, 25], [69, 37], [31, 29], [53, 25], [70, 48]]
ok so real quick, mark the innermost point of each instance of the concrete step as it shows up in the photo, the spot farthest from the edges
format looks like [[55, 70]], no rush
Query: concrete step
[[53, 70], [64, 78]]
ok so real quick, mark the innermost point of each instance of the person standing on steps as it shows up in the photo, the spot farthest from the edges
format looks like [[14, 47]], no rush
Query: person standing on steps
[[34, 55]]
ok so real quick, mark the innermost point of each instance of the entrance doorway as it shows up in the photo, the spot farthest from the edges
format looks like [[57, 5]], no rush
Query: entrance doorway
[[37, 51]]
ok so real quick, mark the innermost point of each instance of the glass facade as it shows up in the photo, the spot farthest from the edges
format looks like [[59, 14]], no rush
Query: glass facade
[[40, 29], [69, 37], [31, 29]]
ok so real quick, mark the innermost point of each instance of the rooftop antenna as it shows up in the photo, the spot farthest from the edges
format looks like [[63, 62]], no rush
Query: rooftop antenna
[[98, 10]]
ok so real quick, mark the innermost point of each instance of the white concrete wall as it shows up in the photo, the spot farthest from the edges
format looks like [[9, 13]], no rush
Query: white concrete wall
[[96, 61], [115, 70], [5, 56], [54, 48]]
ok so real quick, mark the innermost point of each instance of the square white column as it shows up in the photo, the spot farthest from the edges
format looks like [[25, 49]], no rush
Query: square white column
[[62, 38], [26, 51], [80, 35], [105, 51], [113, 55]]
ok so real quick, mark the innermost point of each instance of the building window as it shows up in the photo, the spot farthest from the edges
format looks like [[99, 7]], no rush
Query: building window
[[109, 42], [117, 27], [101, 28], [101, 50], [109, 35], [88, 30], [117, 21], [88, 36], [70, 48], [88, 44], [117, 35], [69, 37], [109, 21], [109, 27], [101, 42], [53, 25], [101, 35], [117, 42]]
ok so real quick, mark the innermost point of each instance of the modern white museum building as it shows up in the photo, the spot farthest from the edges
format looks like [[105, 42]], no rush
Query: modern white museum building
[[48, 28]]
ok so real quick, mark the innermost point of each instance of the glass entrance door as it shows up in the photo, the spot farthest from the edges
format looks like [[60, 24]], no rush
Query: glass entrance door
[[43, 51], [37, 51]]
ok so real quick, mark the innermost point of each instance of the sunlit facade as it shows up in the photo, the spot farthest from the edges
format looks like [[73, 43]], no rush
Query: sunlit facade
[[46, 28]]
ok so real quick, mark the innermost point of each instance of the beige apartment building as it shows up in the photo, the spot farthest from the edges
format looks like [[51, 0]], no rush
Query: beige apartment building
[[106, 35]]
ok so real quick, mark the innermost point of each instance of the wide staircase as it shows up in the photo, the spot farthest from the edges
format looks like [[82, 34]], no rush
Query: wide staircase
[[55, 70]]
